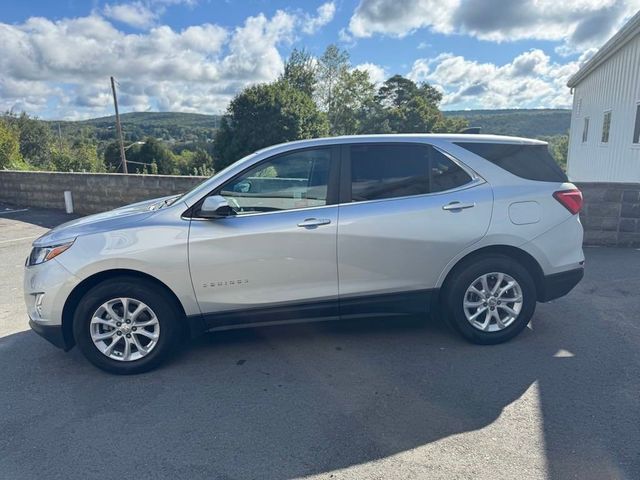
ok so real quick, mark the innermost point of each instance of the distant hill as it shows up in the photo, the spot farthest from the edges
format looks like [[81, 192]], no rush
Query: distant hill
[[518, 122], [170, 126], [181, 128]]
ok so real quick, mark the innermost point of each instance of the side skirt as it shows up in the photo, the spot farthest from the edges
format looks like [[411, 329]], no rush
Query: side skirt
[[416, 302]]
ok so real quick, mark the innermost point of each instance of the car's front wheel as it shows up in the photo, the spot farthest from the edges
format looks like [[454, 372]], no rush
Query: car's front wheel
[[490, 299], [125, 326]]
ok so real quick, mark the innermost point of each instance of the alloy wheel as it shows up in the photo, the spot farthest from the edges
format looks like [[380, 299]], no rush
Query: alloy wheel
[[124, 329], [493, 301]]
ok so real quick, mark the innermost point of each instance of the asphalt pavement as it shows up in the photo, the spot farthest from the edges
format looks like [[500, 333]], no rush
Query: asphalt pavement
[[370, 399]]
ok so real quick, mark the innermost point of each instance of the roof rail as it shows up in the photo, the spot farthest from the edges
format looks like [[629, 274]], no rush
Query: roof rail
[[471, 131]]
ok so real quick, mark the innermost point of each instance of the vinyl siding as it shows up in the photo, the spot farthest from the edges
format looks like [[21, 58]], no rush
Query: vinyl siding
[[613, 86]]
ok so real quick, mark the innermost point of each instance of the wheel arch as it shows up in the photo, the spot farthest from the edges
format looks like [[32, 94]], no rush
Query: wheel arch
[[81, 289], [515, 253]]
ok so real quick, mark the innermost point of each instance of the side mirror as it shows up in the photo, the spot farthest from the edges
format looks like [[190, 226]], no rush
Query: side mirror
[[215, 206]]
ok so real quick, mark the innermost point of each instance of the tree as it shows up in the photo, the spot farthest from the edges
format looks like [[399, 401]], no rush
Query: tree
[[264, 115], [354, 96], [402, 106], [111, 156], [78, 157], [300, 71], [331, 65], [10, 157], [35, 140], [153, 151], [559, 148], [397, 92]]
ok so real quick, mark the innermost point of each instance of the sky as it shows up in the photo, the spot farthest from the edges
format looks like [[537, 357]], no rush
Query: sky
[[56, 57]]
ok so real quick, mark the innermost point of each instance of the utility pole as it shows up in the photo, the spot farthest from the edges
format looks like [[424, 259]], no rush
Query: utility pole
[[123, 157]]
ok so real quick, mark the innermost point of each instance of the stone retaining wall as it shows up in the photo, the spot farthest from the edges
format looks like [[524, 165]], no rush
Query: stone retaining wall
[[92, 192], [611, 214]]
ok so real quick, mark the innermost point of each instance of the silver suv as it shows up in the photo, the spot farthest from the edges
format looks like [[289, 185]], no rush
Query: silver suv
[[477, 227]]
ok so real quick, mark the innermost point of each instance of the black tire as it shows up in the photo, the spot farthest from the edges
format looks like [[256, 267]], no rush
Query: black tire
[[138, 289], [461, 279]]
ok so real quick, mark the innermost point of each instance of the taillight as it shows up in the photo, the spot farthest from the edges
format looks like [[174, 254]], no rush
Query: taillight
[[570, 199]]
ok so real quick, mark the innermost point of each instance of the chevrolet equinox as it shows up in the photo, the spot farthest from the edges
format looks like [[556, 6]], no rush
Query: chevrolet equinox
[[476, 227]]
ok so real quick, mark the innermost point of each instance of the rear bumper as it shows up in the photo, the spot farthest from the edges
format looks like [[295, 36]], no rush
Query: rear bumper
[[52, 333], [559, 284]]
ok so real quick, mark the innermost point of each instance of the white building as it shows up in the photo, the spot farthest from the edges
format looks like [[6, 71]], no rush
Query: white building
[[604, 140]]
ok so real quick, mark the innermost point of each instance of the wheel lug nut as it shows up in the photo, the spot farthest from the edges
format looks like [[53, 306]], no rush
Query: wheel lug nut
[[499, 302], [127, 321], [493, 308], [119, 332], [118, 324], [128, 335], [134, 328], [484, 304]]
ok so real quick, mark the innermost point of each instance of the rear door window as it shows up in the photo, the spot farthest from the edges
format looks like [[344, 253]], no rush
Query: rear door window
[[388, 171], [533, 162]]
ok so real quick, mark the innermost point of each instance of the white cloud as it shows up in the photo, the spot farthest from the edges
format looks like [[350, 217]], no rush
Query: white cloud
[[530, 80], [61, 68], [141, 14], [401, 17], [377, 74], [578, 23], [134, 14], [325, 14]]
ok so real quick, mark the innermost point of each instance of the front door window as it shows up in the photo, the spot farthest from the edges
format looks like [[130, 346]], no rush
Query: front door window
[[287, 182]]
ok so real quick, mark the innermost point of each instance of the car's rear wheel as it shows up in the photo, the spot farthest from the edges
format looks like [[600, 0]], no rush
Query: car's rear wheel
[[490, 299], [126, 326]]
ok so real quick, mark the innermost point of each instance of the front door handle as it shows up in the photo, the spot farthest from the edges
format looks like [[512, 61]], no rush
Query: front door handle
[[458, 206], [314, 222]]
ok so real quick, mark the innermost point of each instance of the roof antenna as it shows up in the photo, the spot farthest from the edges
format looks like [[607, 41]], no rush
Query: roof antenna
[[471, 131]]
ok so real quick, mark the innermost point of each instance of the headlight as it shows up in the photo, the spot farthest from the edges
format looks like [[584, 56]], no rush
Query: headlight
[[43, 254]]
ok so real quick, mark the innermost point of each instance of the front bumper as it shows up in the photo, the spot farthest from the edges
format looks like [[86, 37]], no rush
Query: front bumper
[[559, 284], [46, 288], [52, 333]]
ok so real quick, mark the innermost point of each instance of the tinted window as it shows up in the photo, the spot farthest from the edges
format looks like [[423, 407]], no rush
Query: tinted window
[[533, 162], [585, 130], [387, 171], [445, 174], [294, 180]]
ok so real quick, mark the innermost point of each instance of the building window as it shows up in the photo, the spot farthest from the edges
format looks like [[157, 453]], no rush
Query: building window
[[636, 128], [585, 130], [606, 127]]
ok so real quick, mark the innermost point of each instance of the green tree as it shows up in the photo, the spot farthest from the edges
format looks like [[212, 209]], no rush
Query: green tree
[[402, 106], [333, 63], [354, 96], [35, 140], [300, 71], [202, 163], [153, 151], [264, 115], [10, 157], [78, 157], [559, 148], [111, 156]]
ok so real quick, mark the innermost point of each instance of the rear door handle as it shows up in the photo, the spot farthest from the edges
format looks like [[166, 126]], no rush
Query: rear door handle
[[458, 206], [314, 222]]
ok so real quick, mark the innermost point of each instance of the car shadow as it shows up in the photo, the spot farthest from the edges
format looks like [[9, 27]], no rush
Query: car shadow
[[285, 402]]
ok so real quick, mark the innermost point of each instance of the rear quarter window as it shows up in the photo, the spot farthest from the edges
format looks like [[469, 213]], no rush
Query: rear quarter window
[[533, 162]]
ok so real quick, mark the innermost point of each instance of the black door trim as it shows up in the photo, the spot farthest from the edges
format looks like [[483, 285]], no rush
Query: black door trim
[[416, 302]]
